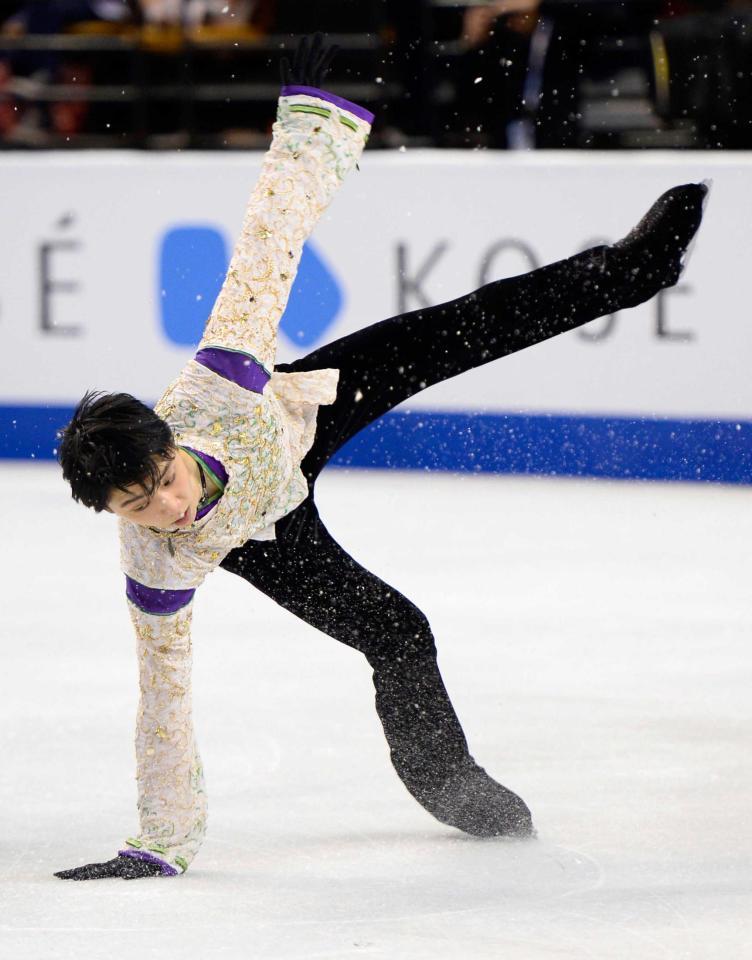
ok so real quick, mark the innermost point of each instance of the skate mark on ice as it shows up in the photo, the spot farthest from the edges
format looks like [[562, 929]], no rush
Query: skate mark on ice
[[565, 858]]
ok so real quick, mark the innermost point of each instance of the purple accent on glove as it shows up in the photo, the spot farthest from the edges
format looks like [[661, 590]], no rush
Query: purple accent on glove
[[155, 600], [240, 368], [167, 870], [360, 112]]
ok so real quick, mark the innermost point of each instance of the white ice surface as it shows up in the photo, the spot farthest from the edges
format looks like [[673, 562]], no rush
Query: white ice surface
[[595, 638]]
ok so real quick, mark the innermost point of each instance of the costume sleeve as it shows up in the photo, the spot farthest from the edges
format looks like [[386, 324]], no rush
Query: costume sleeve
[[171, 796], [317, 139]]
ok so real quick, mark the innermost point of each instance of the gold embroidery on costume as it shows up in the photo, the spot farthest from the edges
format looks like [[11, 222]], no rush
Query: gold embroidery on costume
[[260, 439]]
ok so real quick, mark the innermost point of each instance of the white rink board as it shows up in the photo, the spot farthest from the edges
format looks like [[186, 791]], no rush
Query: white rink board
[[103, 218]]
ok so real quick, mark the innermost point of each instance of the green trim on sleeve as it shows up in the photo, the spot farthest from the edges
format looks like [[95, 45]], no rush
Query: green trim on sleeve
[[134, 843], [182, 863], [348, 122], [308, 108]]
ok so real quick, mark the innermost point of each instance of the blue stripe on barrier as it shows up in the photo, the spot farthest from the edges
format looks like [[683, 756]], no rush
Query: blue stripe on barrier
[[616, 447], [648, 449], [29, 432]]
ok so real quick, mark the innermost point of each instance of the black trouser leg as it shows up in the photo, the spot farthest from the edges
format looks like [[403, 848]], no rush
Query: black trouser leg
[[306, 572], [310, 575], [388, 362]]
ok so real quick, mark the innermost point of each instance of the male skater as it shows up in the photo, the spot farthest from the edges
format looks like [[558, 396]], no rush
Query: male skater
[[223, 471]]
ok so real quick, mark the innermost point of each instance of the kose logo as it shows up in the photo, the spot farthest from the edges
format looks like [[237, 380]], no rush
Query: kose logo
[[193, 262]]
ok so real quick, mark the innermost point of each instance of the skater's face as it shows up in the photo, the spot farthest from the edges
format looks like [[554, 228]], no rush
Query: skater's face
[[174, 502]]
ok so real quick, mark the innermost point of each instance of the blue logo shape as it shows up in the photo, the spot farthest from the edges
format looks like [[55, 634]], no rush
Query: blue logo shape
[[193, 262], [192, 266], [315, 301]]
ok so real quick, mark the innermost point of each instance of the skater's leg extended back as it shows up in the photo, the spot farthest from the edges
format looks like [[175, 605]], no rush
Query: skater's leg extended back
[[308, 573], [388, 362]]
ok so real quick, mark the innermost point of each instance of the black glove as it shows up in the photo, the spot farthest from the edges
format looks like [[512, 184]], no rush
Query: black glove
[[312, 61], [127, 868]]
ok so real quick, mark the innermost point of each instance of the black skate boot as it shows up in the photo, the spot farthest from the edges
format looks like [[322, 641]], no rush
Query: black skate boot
[[430, 754], [655, 249], [473, 802]]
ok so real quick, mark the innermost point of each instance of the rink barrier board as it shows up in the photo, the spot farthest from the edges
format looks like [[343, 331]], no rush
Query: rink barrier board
[[717, 451], [73, 285]]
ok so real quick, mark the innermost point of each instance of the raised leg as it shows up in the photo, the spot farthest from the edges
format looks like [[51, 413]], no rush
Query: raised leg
[[310, 575], [388, 362]]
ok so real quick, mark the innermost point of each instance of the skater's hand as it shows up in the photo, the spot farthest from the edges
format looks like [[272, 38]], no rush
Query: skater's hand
[[311, 64], [127, 868]]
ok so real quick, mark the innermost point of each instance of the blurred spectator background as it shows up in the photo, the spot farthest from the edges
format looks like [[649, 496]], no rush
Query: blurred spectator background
[[515, 74]]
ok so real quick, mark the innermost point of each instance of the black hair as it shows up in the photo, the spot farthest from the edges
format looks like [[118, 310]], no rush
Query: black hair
[[111, 443]]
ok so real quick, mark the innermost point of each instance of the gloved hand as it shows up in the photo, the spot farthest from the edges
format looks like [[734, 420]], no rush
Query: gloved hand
[[313, 58], [127, 868]]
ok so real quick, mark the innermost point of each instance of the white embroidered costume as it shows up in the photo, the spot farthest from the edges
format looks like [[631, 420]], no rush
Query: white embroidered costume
[[228, 404]]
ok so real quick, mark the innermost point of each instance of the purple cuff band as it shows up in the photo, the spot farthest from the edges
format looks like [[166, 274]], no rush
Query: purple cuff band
[[238, 367], [167, 870], [340, 102], [154, 600]]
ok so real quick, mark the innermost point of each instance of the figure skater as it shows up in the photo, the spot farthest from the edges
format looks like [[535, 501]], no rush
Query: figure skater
[[222, 472]]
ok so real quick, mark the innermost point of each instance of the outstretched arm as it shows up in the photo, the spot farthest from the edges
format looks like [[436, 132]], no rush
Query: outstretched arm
[[317, 139], [171, 795]]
